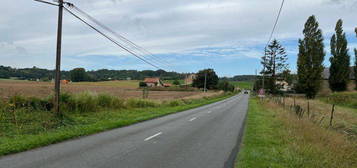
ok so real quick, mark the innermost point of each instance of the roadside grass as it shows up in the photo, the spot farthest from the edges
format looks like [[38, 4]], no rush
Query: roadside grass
[[275, 137], [24, 129], [243, 84], [344, 118]]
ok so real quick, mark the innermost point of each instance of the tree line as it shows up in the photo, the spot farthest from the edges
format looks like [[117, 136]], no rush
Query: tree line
[[311, 54], [80, 74]]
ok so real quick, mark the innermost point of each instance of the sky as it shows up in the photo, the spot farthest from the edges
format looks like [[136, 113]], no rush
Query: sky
[[188, 35]]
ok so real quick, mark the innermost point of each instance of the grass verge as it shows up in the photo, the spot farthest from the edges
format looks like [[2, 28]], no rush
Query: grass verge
[[277, 138], [78, 124]]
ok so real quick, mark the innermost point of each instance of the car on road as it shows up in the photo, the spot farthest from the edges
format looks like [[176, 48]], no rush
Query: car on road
[[246, 92]]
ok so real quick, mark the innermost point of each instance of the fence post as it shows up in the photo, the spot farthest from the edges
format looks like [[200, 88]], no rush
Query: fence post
[[294, 101], [308, 108], [332, 111], [284, 102]]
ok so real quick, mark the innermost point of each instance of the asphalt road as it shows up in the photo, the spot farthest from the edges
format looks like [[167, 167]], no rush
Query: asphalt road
[[205, 137]]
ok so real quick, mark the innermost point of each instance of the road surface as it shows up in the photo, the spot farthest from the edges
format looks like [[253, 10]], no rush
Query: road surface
[[204, 137]]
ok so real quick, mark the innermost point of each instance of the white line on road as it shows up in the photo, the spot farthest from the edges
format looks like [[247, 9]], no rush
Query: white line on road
[[151, 137], [194, 118], [209, 112]]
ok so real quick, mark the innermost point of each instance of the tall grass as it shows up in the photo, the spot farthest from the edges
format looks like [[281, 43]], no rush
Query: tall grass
[[347, 99], [276, 137], [23, 126]]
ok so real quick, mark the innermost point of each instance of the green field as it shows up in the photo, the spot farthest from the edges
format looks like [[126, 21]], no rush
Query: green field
[[243, 84], [276, 138]]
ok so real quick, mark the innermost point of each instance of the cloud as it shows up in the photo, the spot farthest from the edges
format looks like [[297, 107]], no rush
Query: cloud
[[183, 32]]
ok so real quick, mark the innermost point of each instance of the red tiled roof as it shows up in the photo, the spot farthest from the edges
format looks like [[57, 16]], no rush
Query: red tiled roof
[[152, 80]]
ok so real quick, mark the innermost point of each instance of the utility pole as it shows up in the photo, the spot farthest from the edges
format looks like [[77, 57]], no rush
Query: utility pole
[[205, 85], [255, 81], [58, 59], [58, 55], [265, 54]]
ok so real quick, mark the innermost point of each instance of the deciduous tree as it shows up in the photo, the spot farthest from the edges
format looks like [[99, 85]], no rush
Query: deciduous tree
[[211, 79]]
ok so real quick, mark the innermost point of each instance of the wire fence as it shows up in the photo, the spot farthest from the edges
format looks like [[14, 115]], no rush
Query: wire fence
[[304, 108]]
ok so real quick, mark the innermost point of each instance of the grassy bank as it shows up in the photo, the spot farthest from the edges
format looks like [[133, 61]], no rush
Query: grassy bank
[[275, 137], [24, 127]]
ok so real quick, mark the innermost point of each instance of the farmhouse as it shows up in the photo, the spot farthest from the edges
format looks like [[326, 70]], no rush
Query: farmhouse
[[152, 82], [189, 79]]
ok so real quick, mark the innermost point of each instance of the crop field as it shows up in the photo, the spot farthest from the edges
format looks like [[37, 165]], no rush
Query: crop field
[[243, 84], [123, 89]]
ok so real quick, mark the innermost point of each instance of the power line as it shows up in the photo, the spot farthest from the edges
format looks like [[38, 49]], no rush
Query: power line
[[130, 45], [118, 35], [109, 38], [270, 37], [276, 22]]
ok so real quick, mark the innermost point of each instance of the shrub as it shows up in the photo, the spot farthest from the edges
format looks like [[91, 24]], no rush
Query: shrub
[[142, 84], [225, 86], [187, 101], [30, 103], [107, 101], [176, 82], [83, 102], [175, 103]]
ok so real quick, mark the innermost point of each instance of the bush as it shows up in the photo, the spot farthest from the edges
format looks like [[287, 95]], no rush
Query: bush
[[225, 86], [176, 82], [142, 84], [30, 103], [108, 101], [175, 103]]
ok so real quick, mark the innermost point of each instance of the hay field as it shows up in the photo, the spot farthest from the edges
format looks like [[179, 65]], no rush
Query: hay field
[[123, 89]]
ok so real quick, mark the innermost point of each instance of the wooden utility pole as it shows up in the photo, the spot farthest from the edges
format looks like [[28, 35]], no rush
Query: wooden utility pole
[[58, 59], [58, 55]]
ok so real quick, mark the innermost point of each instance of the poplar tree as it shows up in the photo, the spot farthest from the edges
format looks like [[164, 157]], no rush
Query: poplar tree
[[340, 60], [310, 57]]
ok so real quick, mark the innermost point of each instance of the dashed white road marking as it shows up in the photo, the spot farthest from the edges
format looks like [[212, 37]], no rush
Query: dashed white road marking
[[209, 112], [151, 137], [194, 118]]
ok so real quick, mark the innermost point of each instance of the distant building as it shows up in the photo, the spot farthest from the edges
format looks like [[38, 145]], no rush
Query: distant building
[[189, 79], [326, 73], [167, 85], [283, 85], [65, 82], [152, 82]]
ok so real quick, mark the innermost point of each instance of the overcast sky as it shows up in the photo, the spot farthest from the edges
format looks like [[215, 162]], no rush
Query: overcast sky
[[227, 35]]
